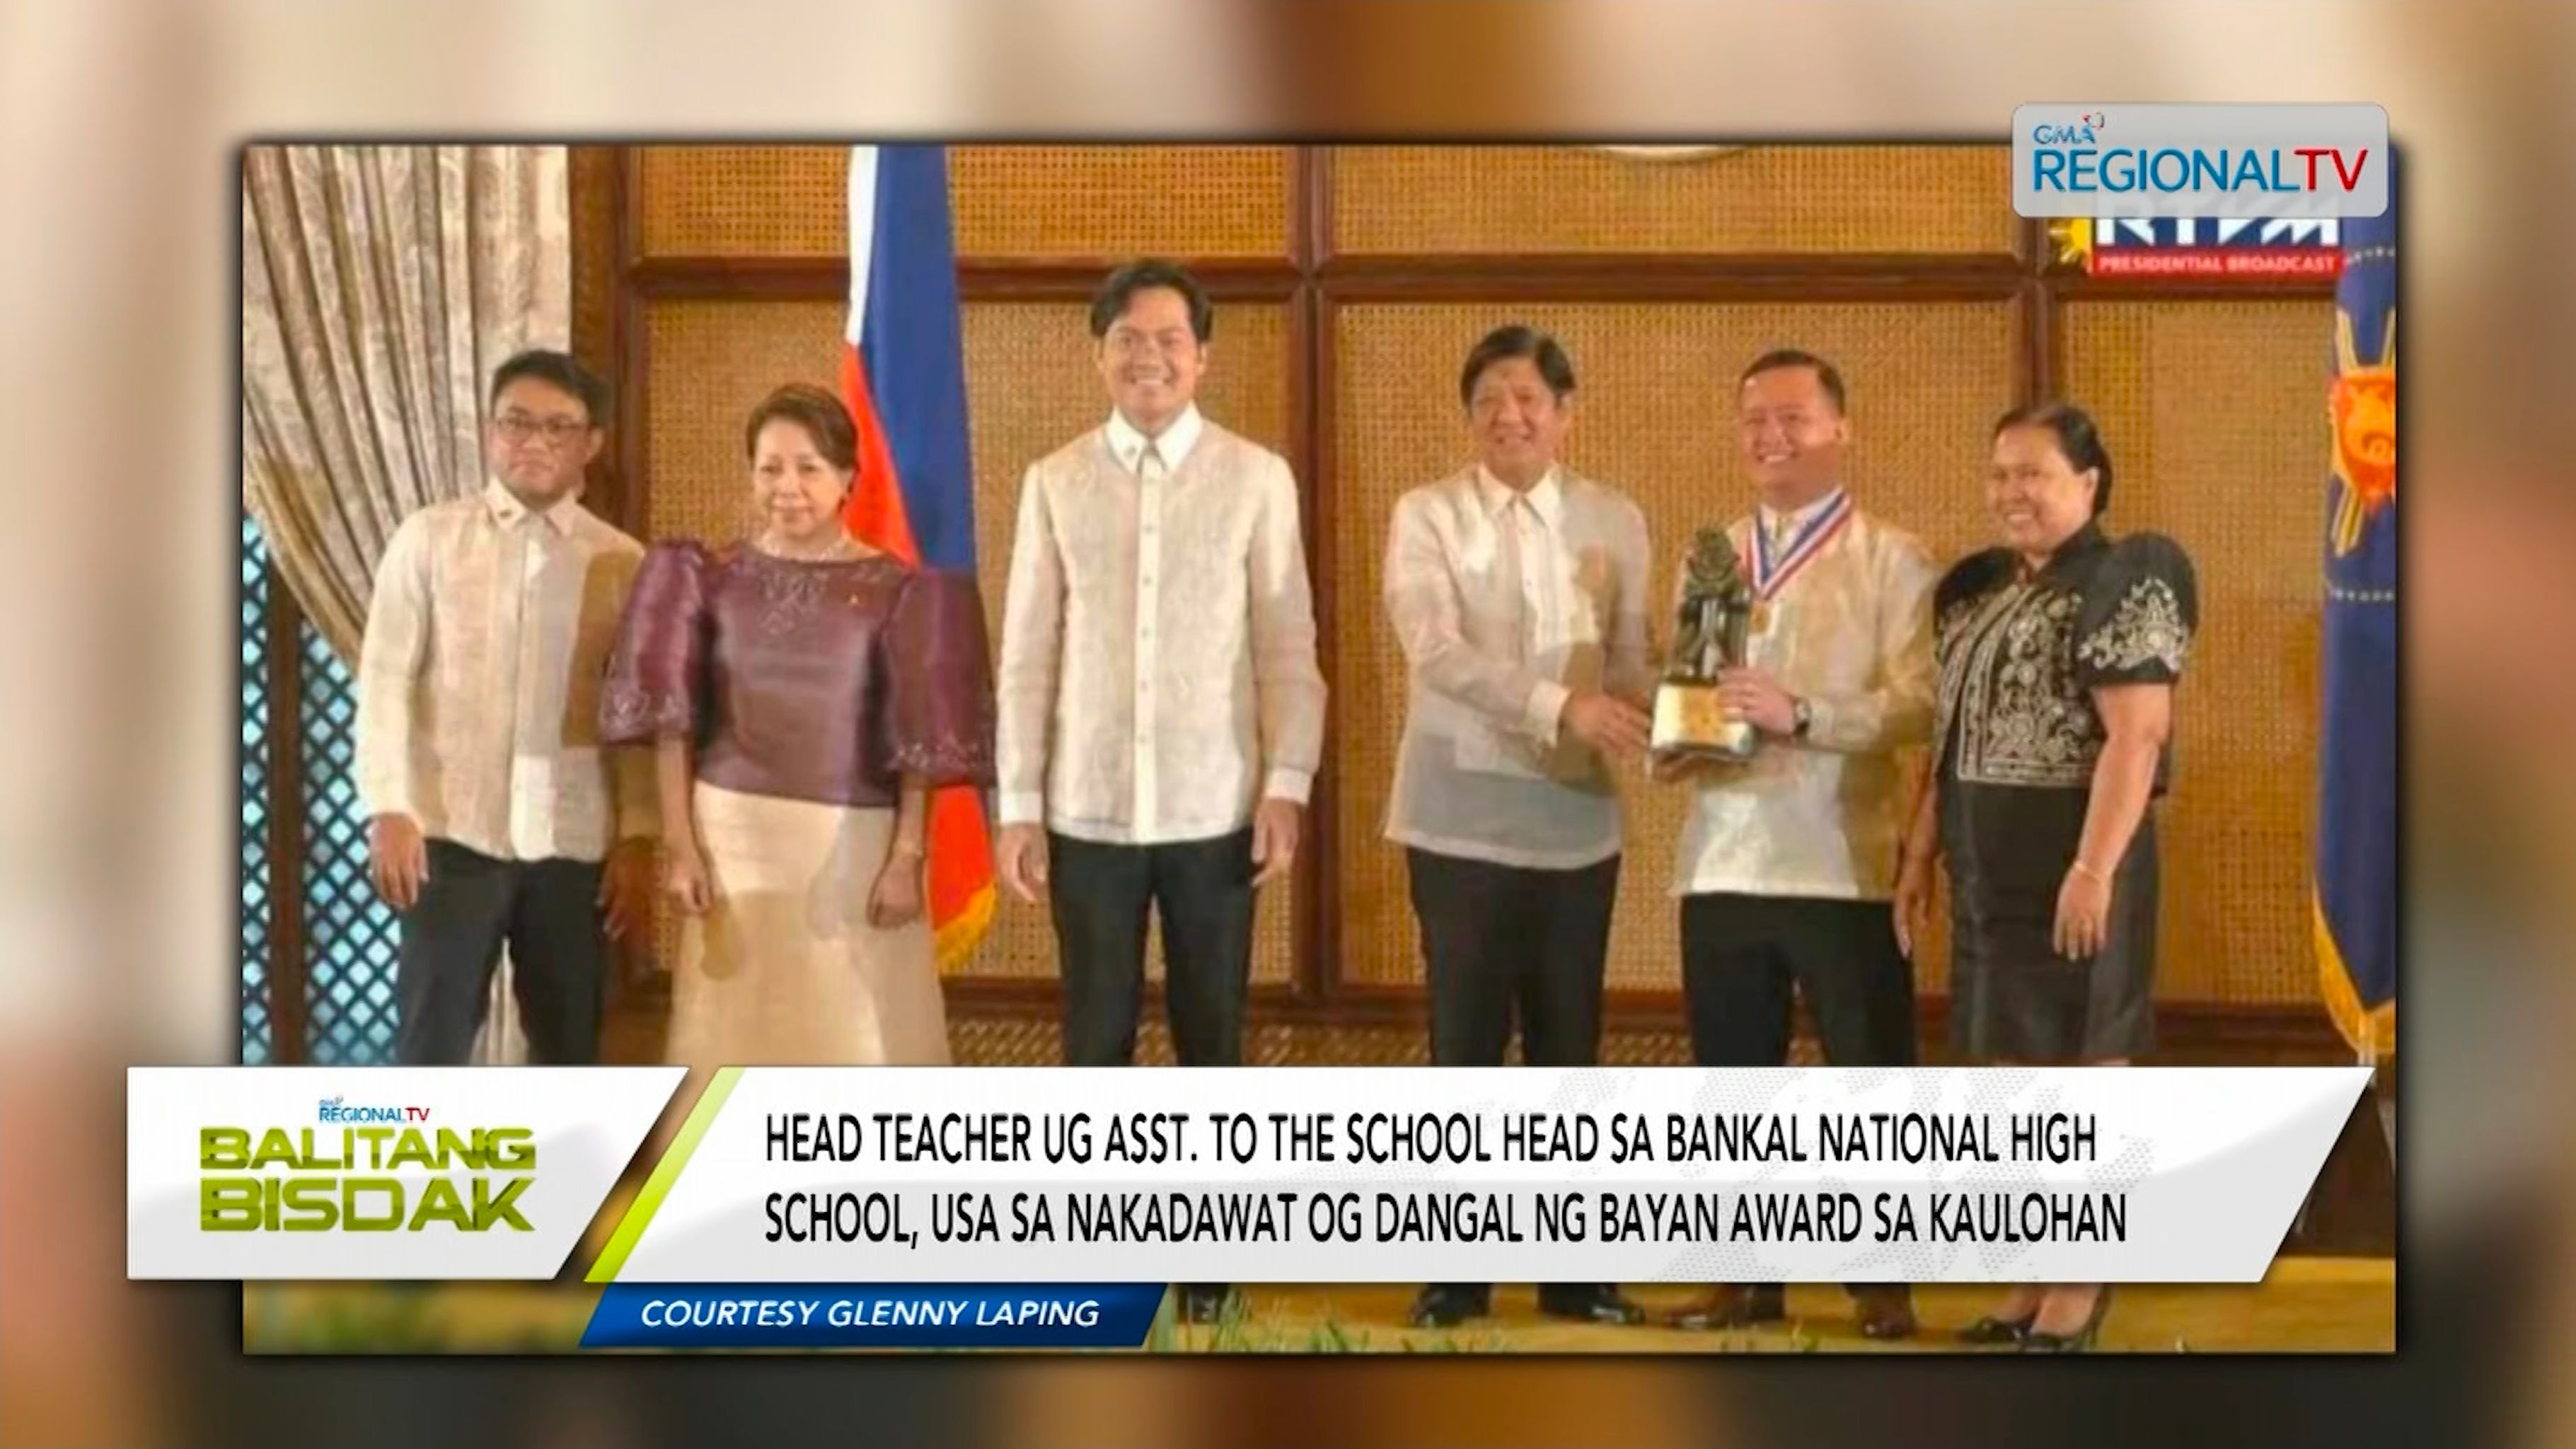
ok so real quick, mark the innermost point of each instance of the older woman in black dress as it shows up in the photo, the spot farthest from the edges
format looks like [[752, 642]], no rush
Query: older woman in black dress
[[2059, 654]]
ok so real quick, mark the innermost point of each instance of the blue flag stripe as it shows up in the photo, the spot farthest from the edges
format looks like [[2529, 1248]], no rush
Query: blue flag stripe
[[915, 356]]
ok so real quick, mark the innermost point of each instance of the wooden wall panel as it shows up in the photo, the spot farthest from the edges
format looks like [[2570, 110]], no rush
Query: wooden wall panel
[[1008, 202], [1431, 200], [743, 201], [1120, 201]]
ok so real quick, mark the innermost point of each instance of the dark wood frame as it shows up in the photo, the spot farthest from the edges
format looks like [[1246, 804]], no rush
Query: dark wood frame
[[1314, 281], [283, 673]]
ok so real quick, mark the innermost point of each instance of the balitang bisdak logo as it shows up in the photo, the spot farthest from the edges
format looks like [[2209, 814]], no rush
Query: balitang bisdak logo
[[367, 1176], [419, 1173]]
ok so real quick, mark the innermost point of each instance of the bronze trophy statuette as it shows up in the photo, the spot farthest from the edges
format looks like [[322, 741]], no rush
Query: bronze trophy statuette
[[1709, 636]]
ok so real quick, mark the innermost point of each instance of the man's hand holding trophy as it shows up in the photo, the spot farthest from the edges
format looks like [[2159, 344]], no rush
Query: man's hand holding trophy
[[1695, 723]]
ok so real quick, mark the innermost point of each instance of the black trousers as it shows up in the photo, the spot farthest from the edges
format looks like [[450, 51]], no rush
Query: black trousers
[[548, 913], [1100, 896], [1744, 959], [1501, 943]]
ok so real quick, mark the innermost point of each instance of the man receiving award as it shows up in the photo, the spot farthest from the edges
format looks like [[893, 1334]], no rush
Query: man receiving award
[[1817, 618]]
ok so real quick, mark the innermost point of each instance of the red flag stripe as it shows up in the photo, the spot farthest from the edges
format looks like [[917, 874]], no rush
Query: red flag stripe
[[874, 513]]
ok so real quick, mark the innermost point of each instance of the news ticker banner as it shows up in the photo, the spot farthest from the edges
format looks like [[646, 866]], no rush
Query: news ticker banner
[[1019, 1176]]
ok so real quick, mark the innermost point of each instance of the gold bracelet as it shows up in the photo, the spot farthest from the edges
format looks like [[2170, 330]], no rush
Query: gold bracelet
[[900, 851], [2080, 868]]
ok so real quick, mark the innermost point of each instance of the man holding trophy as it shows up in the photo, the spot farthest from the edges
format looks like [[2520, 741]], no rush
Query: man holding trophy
[[1802, 663]]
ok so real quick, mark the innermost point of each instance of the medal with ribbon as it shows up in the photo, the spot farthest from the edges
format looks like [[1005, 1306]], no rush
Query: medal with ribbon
[[1772, 569]]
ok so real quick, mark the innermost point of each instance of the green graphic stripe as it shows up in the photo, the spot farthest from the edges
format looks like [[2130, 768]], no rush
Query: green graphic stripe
[[665, 1172]]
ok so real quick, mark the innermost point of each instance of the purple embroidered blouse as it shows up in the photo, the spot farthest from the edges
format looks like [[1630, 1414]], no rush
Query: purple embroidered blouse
[[823, 681]]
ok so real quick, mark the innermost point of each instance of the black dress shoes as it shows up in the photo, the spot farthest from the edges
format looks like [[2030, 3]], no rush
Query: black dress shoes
[[1446, 1305], [1588, 1303]]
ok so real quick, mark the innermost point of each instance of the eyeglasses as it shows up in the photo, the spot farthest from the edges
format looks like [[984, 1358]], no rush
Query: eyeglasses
[[519, 428]]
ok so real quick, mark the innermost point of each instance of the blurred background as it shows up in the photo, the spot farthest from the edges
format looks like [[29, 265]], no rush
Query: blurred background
[[118, 126]]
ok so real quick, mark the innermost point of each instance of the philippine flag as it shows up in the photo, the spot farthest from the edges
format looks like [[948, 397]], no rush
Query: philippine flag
[[903, 373]]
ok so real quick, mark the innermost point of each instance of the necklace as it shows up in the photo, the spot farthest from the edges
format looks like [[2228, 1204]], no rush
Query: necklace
[[840, 547]]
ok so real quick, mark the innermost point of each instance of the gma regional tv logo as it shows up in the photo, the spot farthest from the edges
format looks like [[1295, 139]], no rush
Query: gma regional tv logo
[[373, 1169], [2206, 161], [336, 1109]]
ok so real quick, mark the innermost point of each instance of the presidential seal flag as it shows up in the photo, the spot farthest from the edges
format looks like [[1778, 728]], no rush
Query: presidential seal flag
[[903, 374], [2356, 867]]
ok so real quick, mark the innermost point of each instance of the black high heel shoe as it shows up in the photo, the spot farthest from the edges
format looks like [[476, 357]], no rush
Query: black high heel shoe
[[1991, 1330], [2080, 1341]]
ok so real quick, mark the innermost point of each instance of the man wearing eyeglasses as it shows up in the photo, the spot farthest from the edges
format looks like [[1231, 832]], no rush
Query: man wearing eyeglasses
[[493, 815]]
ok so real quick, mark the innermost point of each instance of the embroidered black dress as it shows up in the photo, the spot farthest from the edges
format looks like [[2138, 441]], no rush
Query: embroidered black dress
[[2019, 736]]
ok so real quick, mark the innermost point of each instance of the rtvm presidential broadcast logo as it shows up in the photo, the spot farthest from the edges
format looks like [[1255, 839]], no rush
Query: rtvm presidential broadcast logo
[[343, 1174], [2218, 249], [2308, 161]]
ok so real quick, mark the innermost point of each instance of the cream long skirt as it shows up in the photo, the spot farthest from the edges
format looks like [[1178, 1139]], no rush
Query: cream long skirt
[[786, 970]]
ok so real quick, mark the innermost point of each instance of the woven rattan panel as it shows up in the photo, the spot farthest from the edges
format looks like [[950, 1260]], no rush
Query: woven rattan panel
[[2215, 416], [1031, 387], [1010, 201], [1656, 420], [1435, 199], [707, 362], [1113, 201], [744, 201]]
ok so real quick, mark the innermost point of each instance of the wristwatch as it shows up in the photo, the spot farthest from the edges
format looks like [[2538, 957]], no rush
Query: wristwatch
[[1802, 715]]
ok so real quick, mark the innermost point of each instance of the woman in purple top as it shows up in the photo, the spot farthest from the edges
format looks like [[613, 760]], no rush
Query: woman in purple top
[[805, 692]]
